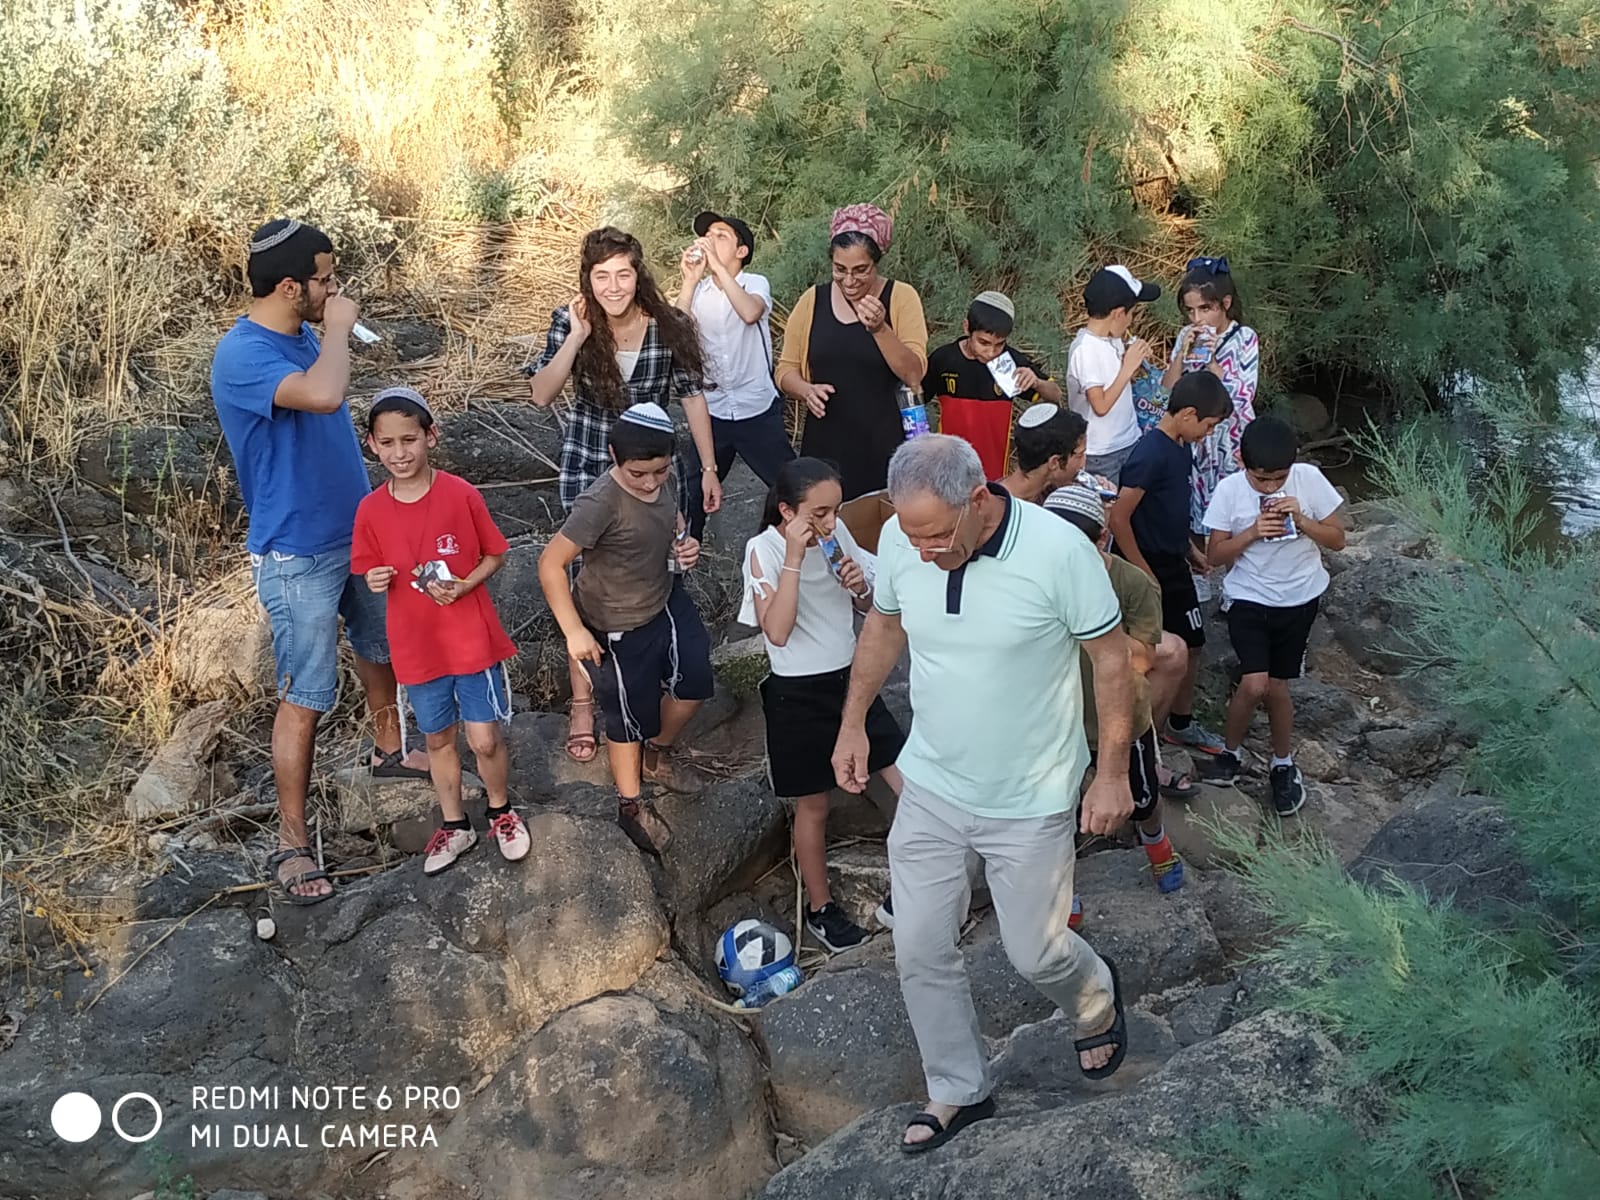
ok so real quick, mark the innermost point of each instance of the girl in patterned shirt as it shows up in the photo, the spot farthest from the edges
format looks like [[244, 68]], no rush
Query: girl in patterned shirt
[[621, 343], [1215, 340]]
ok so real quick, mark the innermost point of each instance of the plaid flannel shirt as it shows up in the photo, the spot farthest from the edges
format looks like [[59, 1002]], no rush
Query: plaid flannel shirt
[[585, 452]]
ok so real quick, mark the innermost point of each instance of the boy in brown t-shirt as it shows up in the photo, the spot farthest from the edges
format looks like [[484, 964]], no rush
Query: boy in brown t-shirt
[[628, 619]]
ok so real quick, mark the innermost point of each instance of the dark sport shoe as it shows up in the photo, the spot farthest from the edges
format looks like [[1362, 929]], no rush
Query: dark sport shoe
[[645, 827], [885, 913], [833, 929], [1288, 790], [1219, 770]]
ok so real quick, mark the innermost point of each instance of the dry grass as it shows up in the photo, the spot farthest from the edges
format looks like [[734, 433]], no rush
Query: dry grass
[[411, 82]]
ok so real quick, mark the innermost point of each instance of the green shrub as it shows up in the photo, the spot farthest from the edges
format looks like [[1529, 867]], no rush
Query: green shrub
[[1474, 1048], [1407, 189]]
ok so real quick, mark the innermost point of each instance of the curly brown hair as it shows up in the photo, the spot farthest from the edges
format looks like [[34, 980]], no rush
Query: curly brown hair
[[596, 367]]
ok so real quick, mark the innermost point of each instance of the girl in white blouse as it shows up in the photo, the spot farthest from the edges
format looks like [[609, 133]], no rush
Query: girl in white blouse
[[805, 578]]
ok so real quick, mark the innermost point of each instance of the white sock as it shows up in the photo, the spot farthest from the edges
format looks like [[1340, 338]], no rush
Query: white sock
[[1286, 761], [1236, 750]]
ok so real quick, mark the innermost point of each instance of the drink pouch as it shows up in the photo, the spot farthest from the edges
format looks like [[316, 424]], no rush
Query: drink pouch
[[834, 553], [433, 571], [1004, 370], [1289, 531]]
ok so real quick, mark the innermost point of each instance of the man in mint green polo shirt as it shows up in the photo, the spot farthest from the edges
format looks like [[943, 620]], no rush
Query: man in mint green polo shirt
[[993, 598]]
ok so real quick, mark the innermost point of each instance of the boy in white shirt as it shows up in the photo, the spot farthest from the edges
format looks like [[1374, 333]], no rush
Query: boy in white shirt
[[1269, 524], [731, 305], [1101, 366]]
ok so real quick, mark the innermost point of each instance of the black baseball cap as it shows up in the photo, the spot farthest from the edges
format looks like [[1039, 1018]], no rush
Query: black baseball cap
[[741, 231], [1116, 287]]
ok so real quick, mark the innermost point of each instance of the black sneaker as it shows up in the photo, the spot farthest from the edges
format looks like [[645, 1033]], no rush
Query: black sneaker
[[885, 913], [1288, 790], [833, 929], [1219, 770]]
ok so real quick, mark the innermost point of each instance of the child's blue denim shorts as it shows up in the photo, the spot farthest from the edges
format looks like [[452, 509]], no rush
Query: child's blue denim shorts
[[440, 703]]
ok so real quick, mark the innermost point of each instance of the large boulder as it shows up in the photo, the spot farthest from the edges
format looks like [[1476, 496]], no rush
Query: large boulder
[[722, 839], [650, 1094], [1450, 844], [1415, 750], [147, 466], [1157, 941], [174, 1003], [1121, 1147], [400, 980], [502, 443], [1366, 607], [842, 1044]]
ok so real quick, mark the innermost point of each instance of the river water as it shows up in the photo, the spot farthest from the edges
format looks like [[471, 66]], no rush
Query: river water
[[1563, 469], [1573, 462]]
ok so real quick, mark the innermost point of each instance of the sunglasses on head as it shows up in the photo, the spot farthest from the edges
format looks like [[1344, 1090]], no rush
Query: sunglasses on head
[[1216, 266]]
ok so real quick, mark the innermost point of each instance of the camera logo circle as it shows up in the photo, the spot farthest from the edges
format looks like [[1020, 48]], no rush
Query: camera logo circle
[[116, 1112], [75, 1117]]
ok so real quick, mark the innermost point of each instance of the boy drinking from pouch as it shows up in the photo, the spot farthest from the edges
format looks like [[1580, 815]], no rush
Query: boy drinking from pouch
[[628, 619], [976, 378], [1269, 524]]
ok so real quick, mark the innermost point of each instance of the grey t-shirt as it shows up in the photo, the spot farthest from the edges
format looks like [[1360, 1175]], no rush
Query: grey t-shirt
[[624, 580]]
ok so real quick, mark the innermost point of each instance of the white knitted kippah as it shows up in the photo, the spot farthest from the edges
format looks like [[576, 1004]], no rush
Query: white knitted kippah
[[651, 416]]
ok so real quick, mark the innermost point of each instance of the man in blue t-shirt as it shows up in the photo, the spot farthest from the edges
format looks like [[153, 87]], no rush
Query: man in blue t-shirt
[[279, 395], [1150, 525]]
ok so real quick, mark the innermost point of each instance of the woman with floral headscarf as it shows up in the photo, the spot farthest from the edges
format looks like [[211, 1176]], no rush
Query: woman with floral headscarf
[[848, 347]]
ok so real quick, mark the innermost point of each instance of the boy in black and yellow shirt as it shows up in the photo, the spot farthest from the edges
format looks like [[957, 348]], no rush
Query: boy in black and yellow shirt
[[972, 404]]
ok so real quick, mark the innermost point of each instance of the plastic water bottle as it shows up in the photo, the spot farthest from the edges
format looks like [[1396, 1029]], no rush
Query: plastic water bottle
[[913, 413], [779, 984]]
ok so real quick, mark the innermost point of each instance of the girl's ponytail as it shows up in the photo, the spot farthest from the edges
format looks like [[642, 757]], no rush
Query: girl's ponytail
[[794, 479]]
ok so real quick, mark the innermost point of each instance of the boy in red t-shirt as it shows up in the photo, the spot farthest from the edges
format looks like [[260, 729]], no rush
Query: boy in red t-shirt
[[432, 532]]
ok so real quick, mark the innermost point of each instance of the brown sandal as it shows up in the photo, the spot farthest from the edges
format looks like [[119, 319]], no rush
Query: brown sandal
[[581, 747]]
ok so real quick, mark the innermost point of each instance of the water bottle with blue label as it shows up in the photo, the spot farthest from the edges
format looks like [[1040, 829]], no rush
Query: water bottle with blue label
[[780, 983], [913, 413]]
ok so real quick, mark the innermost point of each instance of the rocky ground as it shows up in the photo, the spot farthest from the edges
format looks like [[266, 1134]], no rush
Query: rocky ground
[[572, 1001]]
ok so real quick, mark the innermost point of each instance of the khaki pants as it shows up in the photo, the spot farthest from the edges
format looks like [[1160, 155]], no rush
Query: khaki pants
[[1029, 866]]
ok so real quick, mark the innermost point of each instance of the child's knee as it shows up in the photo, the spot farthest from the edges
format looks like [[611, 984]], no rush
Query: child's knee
[[814, 806], [444, 740], [1254, 687], [483, 738]]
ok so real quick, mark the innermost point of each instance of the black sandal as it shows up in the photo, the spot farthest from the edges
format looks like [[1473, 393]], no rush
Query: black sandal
[[1179, 787], [1116, 1036], [283, 885], [942, 1131], [392, 765]]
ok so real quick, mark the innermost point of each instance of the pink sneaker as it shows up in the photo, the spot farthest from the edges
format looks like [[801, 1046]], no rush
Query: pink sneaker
[[444, 847], [508, 831]]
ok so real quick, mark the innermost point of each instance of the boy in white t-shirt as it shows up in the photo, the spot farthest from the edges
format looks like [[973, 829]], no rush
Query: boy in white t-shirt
[[731, 306], [1101, 366], [1269, 524]]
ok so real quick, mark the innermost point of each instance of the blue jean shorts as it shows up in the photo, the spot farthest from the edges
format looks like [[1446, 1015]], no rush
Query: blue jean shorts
[[441, 702], [305, 595]]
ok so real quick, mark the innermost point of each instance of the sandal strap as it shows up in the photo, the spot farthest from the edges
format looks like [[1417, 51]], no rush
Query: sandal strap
[[286, 853], [927, 1120]]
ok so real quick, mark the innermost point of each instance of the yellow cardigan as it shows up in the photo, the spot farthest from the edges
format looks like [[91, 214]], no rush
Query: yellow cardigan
[[905, 317]]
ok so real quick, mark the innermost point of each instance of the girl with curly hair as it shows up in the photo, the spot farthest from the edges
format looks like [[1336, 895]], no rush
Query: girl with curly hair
[[620, 342]]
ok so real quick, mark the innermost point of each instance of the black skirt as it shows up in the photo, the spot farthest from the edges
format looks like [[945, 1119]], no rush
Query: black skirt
[[803, 714]]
